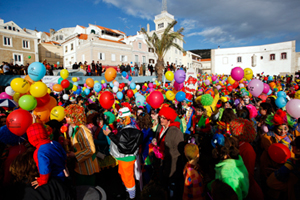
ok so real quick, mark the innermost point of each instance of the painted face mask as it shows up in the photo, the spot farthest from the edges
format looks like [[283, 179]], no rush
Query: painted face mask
[[246, 100]]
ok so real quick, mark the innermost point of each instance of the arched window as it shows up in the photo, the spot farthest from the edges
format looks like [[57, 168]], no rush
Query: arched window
[[93, 31]]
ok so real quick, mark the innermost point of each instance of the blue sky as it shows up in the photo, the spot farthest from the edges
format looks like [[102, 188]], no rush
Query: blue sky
[[208, 24]]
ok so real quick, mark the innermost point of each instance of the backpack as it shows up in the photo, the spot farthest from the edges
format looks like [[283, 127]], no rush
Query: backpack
[[130, 139]]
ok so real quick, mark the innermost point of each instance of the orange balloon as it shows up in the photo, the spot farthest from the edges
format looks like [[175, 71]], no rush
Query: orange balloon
[[42, 114], [57, 88], [28, 79], [110, 74], [90, 82], [52, 103], [272, 84]]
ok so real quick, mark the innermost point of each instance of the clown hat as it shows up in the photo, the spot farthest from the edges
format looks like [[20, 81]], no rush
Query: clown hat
[[123, 112], [188, 97]]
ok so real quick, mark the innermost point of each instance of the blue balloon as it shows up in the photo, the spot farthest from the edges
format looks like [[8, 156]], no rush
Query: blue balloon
[[281, 94], [79, 87], [270, 78], [58, 63], [87, 91], [140, 100], [60, 80], [124, 74], [136, 94], [280, 102], [78, 91], [180, 96], [97, 87], [76, 83], [129, 78], [270, 92], [119, 95], [111, 85], [132, 86], [36, 71]]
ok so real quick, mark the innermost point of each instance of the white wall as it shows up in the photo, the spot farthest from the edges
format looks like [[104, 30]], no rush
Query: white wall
[[262, 53]]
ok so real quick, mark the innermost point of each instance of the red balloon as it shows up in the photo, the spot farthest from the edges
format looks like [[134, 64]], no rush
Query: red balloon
[[43, 100], [18, 121], [229, 88], [296, 87], [130, 93], [279, 153], [155, 99], [166, 85], [65, 83], [107, 100], [235, 85]]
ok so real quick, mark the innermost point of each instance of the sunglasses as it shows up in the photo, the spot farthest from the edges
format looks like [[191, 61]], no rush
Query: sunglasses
[[162, 118]]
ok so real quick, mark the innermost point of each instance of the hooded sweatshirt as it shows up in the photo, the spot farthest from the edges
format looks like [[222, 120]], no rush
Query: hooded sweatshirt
[[234, 173], [49, 156]]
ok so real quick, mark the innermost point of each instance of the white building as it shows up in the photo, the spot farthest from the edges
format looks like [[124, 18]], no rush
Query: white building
[[271, 58]]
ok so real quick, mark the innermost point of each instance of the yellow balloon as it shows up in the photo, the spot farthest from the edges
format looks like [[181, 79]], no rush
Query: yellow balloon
[[16, 97], [96, 81], [74, 88], [145, 85], [20, 85], [297, 95], [103, 81], [231, 80], [74, 79], [49, 90], [170, 95], [57, 113], [169, 76], [64, 73], [38, 89], [134, 91], [248, 73], [83, 88]]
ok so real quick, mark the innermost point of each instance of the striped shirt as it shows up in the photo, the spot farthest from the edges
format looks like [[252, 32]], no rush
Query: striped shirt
[[85, 151]]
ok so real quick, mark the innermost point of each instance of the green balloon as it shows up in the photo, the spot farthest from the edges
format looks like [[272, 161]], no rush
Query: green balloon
[[29, 57], [60, 80], [27, 102], [70, 86]]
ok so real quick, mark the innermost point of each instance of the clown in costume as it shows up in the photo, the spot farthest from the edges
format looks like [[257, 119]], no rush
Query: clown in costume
[[49, 156]]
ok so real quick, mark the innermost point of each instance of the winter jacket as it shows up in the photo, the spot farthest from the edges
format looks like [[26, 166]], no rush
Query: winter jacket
[[125, 143], [234, 173], [173, 138]]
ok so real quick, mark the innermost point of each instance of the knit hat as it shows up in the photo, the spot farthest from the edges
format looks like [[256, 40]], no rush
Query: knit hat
[[191, 151], [123, 112], [168, 113], [76, 114], [243, 129]]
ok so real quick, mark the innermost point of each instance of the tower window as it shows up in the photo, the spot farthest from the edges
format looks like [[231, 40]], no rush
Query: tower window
[[161, 25]]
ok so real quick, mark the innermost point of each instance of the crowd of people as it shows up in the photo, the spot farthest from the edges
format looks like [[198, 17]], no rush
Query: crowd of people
[[217, 143]]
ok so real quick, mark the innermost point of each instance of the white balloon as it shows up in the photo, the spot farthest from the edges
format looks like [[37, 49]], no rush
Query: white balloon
[[9, 91], [138, 87], [115, 89], [65, 97], [125, 88]]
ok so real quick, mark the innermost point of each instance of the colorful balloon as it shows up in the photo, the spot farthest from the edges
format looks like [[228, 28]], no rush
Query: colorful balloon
[[90, 82], [293, 108], [74, 79], [18, 121], [237, 73], [230, 80], [57, 113], [155, 99], [57, 88], [9, 91], [43, 100], [170, 95], [106, 100], [36, 71], [65, 83], [266, 88], [38, 89], [119, 95], [20, 85], [130, 93], [255, 87], [248, 74], [110, 74], [140, 100], [280, 102], [180, 76], [178, 86], [64, 73], [27, 102], [3, 95], [169, 76], [180, 96]]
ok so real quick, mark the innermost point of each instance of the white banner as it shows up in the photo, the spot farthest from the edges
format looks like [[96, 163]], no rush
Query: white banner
[[48, 79]]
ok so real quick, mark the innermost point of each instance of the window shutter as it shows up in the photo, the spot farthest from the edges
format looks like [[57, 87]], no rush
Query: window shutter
[[121, 58], [103, 56], [125, 58]]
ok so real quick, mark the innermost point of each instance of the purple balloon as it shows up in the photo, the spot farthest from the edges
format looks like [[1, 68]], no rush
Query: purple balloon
[[207, 82], [178, 86], [78, 87], [255, 87], [3, 95], [219, 87], [293, 108], [266, 88], [180, 76], [104, 85], [237, 73]]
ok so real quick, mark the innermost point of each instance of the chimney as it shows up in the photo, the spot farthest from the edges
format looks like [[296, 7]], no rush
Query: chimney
[[1, 21], [148, 28], [24, 29], [218, 47], [52, 31]]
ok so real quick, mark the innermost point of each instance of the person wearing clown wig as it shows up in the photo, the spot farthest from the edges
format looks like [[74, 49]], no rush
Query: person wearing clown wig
[[124, 147]]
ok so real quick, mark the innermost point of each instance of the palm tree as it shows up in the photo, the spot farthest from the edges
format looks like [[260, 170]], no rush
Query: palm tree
[[161, 45]]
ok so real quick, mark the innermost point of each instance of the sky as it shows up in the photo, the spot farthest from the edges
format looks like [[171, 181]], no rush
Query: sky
[[207, 24]]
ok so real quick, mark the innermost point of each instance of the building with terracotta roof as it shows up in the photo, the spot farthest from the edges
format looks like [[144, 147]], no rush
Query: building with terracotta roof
[[17, 45], [50, 51]]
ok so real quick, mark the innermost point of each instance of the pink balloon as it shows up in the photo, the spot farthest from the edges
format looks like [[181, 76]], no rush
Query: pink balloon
[[3, 95], [151, 90], [214, 78], [266, 88], [178, 86], [150, 85], [207, 82], [85, 85], [293, 108], [237, 73], [255, 87]]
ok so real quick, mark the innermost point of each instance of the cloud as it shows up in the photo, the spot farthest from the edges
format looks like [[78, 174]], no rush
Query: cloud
[[222, 21], [125, 20]]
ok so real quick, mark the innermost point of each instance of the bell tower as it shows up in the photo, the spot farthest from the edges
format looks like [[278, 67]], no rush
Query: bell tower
[[163, 19]]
